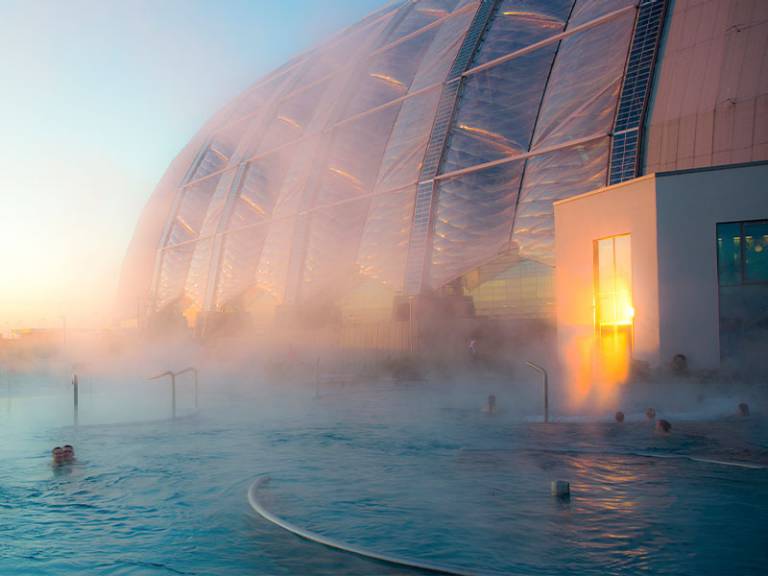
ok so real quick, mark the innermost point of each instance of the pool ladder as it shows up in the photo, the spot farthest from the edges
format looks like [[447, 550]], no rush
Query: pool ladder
[[173, 375]]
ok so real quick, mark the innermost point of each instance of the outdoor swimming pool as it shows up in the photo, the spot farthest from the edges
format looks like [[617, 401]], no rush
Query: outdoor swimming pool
[[403, 470]]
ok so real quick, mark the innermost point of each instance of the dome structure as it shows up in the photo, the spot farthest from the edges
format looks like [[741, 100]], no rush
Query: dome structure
[[418, 151]]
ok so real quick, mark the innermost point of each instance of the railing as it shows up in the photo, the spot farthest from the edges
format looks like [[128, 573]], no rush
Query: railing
[[76, 396], [173, 385], [543, 372]]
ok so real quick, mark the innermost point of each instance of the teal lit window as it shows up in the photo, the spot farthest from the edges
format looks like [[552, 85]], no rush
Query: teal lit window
[[742, 252], [756, 251]]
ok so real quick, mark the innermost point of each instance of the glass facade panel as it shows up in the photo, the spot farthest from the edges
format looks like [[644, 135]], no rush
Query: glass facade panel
[[343, 186], [401, 162], [584, 87], [473, 219], [239, 263], [420, 14], [253, 208], [518, 289], [586, 10], [272, 272], [548, 178], [389, 75], [520, 23], [384, 243], [197, 280], [290, 121], [442, 52], [174, 265], [192, 211], [497, 110]]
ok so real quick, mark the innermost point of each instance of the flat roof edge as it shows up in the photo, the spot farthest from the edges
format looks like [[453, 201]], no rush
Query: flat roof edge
[[713, 168], [602, 189]]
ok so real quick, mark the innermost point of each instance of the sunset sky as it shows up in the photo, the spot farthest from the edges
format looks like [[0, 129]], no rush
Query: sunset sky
[[96, 99]]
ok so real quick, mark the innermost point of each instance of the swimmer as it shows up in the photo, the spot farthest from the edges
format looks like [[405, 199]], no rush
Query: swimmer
[[663, 426], [650, 413], [491, 407], [69, 453], [57, 456], [743, 409], [619, 416]]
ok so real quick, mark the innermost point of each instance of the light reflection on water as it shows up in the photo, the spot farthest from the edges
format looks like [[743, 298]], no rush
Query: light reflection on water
[[406, 472]]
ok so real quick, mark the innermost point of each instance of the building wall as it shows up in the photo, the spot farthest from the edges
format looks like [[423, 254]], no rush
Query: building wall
[[629, 207], [690, 204], [711, 101]]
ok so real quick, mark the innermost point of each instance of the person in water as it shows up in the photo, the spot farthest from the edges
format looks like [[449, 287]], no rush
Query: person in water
[[744, 409], [663, 426], [69, 453], [63, 455], [57, 456]]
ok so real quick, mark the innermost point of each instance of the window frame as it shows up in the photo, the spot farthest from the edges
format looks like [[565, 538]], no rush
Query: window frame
[[600, 328], [742, 274]]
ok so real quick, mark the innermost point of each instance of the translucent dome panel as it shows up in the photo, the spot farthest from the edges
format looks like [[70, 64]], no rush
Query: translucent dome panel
[[414, 147]]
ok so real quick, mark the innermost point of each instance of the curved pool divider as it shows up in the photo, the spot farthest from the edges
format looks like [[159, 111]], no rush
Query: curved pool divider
[[261, 510], [639, 454]]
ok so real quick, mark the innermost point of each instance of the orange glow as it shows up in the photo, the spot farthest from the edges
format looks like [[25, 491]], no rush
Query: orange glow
[[190, 315], [615, 314], [388, 79], [347, 176], [290, 121], [492, 138], [436, 12], [183, 223], [598, 361], [252, 205], [219, 153], [616, 309], [483, 132], [614, 354], [613, 282], [578, 362], [541, 19]]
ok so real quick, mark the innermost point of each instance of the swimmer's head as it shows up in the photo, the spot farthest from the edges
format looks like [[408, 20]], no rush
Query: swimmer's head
[[619, 416], [650, 413], [69, 452], [744, 409], [58, 455], [663, 426]]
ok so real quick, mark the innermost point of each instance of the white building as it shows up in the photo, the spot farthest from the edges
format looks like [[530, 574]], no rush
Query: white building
[[668, 264]]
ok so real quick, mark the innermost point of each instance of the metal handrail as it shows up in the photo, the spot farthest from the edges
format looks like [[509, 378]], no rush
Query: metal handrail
[[173, 388], [76, 396], [173, 384], [194, 372], [543, 372]]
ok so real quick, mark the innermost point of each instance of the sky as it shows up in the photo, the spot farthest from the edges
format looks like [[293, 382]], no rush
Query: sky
[[96, 98]]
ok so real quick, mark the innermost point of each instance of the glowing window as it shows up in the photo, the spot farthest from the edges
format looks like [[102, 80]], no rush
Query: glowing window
[[613, 283]]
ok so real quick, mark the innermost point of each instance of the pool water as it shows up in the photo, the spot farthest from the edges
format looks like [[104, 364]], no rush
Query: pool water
[[407, 471]]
